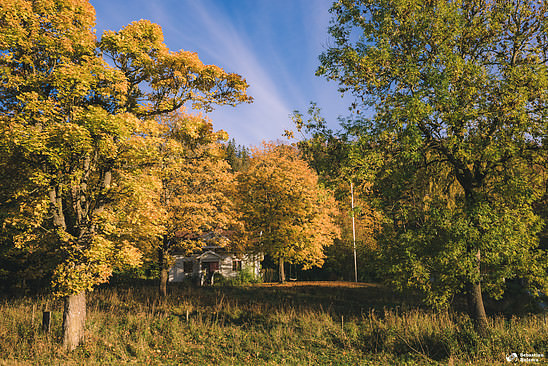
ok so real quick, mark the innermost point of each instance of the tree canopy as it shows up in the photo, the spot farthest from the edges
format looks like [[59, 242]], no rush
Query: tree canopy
[[459, 90], [286, 211]]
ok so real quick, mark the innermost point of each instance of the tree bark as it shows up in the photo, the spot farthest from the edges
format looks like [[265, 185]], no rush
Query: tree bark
[[476, 308], [57, 208], [74, 319], [163, 272], [163, 282], [281, 275], [475, 302]]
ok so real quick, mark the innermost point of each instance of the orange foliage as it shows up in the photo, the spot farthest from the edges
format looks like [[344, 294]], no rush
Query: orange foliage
[[287, 212]]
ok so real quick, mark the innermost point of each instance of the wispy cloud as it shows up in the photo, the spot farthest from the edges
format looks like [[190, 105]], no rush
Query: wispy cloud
[[273, 44], [233, 49]]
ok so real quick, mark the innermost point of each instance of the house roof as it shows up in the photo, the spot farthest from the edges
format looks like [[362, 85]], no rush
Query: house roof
[[207, 253]]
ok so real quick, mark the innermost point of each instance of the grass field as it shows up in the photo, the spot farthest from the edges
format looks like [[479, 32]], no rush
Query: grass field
[[300, 323]]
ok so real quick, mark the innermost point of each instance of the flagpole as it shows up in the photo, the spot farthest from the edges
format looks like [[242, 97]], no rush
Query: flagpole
[[354, 233]]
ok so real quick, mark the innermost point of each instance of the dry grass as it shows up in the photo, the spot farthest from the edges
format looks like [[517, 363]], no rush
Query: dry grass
[[319, 323]]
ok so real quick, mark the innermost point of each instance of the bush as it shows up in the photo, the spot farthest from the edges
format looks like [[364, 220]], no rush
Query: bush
[[244, 277]]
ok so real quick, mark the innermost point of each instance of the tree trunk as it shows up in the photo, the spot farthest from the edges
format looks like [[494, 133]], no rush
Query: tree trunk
[[163, 282], [57, 208], [476, 308], [475, 302], [163, 272], [281, 276], [74, 320]]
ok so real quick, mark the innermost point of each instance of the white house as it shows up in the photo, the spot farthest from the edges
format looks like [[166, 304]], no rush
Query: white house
[[211, 259]]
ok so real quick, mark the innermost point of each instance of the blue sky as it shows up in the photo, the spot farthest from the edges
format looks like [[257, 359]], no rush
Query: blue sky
[[273, 44]]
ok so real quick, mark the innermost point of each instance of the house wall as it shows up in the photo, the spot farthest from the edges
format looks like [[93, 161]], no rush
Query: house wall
[[225, 268], [177, 274]]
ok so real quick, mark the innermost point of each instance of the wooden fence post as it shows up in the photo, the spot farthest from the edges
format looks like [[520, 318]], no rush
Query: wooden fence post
[[46, 321]]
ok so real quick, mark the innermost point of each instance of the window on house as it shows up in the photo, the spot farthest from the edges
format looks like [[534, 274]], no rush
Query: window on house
[[236, 265], [187, 266]]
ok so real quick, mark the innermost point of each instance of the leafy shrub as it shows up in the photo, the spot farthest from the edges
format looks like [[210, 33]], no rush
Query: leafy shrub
[[244, 277]]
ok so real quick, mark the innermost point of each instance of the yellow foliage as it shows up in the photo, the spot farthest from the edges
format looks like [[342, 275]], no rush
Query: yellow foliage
[[87, 172], [287, 213]]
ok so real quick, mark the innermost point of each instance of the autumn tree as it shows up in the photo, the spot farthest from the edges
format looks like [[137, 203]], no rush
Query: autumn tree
[[459, 90], [285, 210], [74, 133], [196, 194], [160, 81]]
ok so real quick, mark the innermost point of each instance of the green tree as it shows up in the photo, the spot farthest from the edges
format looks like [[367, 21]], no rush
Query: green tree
[[460, 86], [236, 155], [286, 212], [74, 135], [330, 154]]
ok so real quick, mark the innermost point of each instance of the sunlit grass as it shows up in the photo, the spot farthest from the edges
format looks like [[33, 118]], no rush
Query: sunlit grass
[[268, 324]]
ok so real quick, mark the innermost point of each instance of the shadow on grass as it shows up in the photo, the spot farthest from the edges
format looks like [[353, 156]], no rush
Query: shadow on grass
[[338, 299]]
